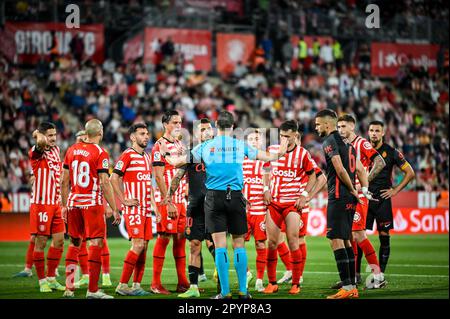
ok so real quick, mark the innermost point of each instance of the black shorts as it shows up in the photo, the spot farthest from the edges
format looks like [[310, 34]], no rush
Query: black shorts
[[195, 221], [340, 215], [381, 212], [225, 215]]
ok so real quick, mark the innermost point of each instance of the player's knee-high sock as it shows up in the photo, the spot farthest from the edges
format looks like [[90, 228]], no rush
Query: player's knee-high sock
[[202, 270], [351, 264], [303, 263], [272, 260], [179, 253], [29, 257], [139, 268], [240, 264], [296, 260], [71, 266], [159, 253], [95, 265], [371, 255], [212, 251], [385, 251], [105, 257], [358, 260], [128, 266], [261, 261], [39, 264], [53, 258], [222, 265], [193, 274], [285, 256], [343, 266], [355, 252], [83, 258]]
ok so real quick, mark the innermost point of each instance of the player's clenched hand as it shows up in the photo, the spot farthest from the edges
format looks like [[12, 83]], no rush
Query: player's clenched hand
[[355, 193], [172, 210], [117, 218], [368, 194], [300, 203], [157, 216], [267, 198], [64, 213], [388, 193], [108, 212], [131, 202]]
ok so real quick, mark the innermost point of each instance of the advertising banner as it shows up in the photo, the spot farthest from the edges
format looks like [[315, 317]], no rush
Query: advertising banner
[[133, 48], [232, 48]]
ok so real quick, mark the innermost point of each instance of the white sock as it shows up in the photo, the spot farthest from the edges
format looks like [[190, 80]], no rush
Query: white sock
[[194, 286], [136, 285], [348, 287], [106, 274], [50, 278], [41, 281]]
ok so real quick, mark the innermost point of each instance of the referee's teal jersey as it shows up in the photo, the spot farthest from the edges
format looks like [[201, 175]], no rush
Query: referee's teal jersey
[[223, 157]]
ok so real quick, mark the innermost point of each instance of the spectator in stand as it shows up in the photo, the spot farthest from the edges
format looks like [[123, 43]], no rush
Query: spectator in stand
[[168, 48], [326, 54], [77, 47]]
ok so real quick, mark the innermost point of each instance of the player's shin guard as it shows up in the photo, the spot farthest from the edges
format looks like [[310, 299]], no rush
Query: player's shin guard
[[351, 264], [296, 260], [128, 266], [343, 266], [53, 258], [39, 264], [272, 260], [159, 252], [371, 255], [95, 265], [83, 258], [240, 264], [303, 263], [105, 257], [179, 253], [261, 261], [285, 256], [222, 265], [385, 251], [29, 257], [139, 268], [71, 266]]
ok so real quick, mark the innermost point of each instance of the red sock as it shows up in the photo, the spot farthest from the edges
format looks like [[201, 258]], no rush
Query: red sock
[[83, 258], [140, 267], [179, 253], [296, 260], [95, 264], [303, 263], [159, 253], [39, 264], [128, 266], [371, 255], [105, 257], [272, 260], [283, 251], [53, 258], [29, 257], [71, 266], [355, 252], [261, 260]]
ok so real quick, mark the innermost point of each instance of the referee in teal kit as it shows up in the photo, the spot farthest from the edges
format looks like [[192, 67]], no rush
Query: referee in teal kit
[[225, 205]]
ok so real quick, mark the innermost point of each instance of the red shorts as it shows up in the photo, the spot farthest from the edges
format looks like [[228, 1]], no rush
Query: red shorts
[[359, 220], [86, 222], [279, 211], [172, 226], [138, 226], [257, 226], [303, 225], [46, 220]]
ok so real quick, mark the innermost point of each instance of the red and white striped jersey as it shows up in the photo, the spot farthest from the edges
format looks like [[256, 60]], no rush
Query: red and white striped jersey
[[174, 149], [254, 186], [85, 161], [365, 153], [47, 169], [287, 172], [136, 172]]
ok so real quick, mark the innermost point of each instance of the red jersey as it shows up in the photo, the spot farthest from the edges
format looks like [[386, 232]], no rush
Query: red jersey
[[287, 174], [47, 169], [84, 162], [136, 172], [254, 186], [365, 153], [174, 148]]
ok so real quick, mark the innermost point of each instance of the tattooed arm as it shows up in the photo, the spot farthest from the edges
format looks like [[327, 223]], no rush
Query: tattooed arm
[[378, 165]]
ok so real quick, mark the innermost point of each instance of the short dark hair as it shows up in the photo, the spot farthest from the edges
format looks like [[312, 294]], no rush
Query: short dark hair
[[167, 116], [347, 118], [45, 126], [225, 120], [327, 112], [205, 120], [133, 128], [376, 123], [289, 125]]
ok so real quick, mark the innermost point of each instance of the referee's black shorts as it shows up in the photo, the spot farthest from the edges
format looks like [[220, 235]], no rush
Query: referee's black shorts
[[340, 213], [222, 215]]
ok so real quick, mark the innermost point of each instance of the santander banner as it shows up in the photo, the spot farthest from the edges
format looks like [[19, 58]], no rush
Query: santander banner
[[33, 40], [133, 48], [195, 44], [232, 48], [387, 58]]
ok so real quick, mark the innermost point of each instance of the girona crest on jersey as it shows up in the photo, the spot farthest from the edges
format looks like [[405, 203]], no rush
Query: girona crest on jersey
[[262, 226], [357, 217]]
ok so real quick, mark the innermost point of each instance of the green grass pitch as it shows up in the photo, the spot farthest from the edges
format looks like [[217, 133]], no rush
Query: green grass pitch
[[418, 268]]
